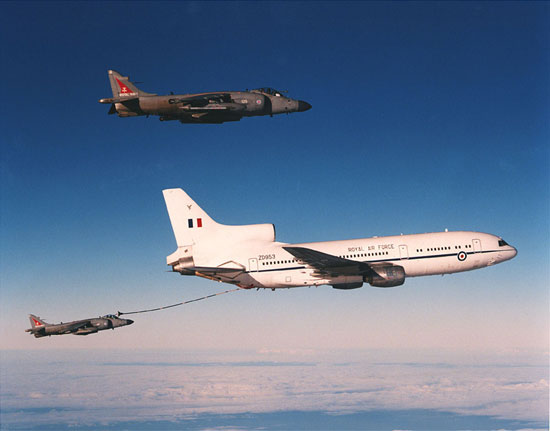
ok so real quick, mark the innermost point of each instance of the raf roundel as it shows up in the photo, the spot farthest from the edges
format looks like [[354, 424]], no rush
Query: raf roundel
[[462, 256]]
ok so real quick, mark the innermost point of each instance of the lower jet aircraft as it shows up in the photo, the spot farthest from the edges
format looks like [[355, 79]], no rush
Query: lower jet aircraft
[[214, 108], [78, 327], [249, 257]]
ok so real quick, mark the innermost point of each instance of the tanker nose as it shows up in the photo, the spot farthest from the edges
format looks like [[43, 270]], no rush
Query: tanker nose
[[303, 106], [508, 253]]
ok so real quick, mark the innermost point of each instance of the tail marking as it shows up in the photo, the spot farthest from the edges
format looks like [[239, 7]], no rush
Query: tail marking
[[124, 90], [36, 323], [190, 222]]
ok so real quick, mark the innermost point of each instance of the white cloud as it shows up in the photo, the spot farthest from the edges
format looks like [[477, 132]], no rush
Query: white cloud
[[78, 386]]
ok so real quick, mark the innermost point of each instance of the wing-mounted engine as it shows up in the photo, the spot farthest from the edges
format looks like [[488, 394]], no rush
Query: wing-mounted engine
[[348, 282], [385, 276], [346, 273]]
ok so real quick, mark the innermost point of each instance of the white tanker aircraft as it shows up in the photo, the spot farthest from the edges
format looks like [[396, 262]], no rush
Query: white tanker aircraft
[[248, 256]]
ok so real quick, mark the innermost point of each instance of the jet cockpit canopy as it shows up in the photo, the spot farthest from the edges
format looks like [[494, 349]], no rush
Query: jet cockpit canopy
[[110, 316], [268, 90]]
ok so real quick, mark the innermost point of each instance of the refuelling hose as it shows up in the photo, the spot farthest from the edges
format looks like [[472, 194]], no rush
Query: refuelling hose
[[120, 313]]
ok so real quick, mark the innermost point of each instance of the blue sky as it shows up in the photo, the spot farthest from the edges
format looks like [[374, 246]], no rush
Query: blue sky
[[425, 116]]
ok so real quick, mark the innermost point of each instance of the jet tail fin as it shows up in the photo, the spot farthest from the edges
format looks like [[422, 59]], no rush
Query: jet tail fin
[[198, 236], [124, 89], [36, 322], [189, 221]]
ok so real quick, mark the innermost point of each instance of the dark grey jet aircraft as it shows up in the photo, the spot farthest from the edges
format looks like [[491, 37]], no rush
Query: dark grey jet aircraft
[[213, 108], [78, 327]]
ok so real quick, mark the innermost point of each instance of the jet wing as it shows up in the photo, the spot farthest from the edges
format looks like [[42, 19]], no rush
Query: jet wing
[[328, 264], [75, 326], [201, 100], [208, 116], [212, 107]]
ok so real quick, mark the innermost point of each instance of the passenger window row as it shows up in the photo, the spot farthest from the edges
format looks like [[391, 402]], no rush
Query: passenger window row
[[376, 253], [456, 247]]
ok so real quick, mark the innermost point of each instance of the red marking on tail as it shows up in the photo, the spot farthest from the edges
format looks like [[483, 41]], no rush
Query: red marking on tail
[[123, 88], [36, 322]]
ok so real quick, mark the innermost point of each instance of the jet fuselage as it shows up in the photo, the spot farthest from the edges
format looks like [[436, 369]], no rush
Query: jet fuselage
[[39, 328], [250, 257], [271, 266], [211, 107]]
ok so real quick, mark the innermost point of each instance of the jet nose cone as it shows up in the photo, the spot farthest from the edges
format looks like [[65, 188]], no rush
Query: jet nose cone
[[303, 106], [129, 322], [507, 254]]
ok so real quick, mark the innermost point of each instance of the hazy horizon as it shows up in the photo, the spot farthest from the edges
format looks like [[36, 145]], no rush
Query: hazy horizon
[[273, 390]]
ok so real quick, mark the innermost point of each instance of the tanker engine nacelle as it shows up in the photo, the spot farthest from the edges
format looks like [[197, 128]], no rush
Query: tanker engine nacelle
[[348, 282], [386, 276]]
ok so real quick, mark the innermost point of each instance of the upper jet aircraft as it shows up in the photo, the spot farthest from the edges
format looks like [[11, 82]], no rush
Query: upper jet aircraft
[[249, 256], [212, 108]]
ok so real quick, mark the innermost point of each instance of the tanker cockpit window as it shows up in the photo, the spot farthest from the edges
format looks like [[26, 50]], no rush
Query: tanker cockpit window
[[502, 243]]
